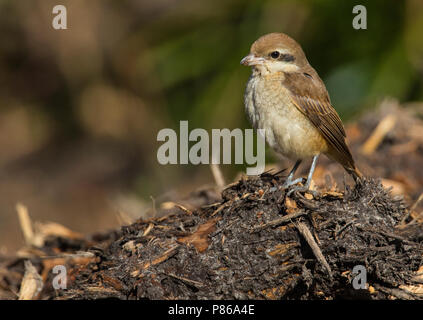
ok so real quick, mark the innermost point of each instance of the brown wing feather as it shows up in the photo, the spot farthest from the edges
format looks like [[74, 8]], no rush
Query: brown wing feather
[[311, 97]]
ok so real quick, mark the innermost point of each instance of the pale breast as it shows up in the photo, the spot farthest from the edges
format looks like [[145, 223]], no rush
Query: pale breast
[[288, 131]]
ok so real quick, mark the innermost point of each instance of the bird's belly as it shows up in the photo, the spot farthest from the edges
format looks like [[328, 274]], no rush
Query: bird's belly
[[294, 137], [287, 130]]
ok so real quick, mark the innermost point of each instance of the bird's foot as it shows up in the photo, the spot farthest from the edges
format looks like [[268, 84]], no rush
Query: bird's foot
[[302, 189], [288, 182]]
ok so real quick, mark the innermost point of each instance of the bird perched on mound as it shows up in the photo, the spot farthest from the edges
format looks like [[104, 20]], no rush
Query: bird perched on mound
[[286, 97]]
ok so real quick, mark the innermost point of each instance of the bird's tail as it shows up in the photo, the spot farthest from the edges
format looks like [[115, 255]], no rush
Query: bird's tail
[[354, 172], [346, 160]]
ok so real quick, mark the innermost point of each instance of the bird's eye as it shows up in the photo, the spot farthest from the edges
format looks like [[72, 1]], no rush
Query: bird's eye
[[275, 54]]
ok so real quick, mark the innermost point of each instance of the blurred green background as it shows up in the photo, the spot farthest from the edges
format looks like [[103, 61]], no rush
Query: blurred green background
[[80, 108]]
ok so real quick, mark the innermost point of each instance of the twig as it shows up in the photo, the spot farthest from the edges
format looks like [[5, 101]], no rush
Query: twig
[[386, 234], [186, 280], [413, 207], [397, 293], [166, 255], [419, 199], [31, 238], [337, 233], [217, 175], [307, 203], [305, 232], [223, 229], [148, 229], [384, 126], [187, 211], [394, 236], [25, 222], [279, 221], [222, 206], [70, 256], [153, 206]]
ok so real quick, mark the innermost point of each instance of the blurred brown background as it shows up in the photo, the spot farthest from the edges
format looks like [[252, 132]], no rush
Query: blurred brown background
[[80, 108]]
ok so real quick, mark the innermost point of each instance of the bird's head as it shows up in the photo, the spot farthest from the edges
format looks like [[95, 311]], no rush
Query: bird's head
[[275, 52]]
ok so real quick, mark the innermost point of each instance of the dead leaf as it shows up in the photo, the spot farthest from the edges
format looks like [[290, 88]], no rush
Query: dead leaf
[[291, 205], [199, 239]]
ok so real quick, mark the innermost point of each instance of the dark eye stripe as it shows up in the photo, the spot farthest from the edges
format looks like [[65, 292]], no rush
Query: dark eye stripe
[[287, 57]]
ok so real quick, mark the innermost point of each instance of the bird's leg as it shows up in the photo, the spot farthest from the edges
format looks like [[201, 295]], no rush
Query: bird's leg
[[310, 173], [288, 182], [309, 177]]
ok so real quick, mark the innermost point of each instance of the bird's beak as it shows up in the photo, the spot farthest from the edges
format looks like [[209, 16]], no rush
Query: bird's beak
[[251, 60]]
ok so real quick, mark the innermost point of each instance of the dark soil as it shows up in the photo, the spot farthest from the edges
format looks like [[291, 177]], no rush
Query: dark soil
[[237, 249], [254, 242]]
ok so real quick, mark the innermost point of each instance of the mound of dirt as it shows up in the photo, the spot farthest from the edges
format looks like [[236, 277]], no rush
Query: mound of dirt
[[256, 243], [252, 241]]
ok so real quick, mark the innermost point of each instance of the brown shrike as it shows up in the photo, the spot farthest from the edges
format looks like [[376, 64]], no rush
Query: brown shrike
[[286, 97]]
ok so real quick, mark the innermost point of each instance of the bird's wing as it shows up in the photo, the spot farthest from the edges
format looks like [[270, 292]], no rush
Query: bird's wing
[[309, 95]]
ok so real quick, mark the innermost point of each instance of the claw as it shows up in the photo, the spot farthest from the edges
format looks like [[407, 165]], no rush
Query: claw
[[297, 189], [303, 189], [289, 183]]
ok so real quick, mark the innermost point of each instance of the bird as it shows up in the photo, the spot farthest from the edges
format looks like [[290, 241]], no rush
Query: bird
[[286, 97]]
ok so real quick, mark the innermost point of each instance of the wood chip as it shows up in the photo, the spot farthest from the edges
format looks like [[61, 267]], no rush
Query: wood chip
[[199, 239], [308, 196], [333, 194], [291, 205], [130, 246], [32, 284]]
